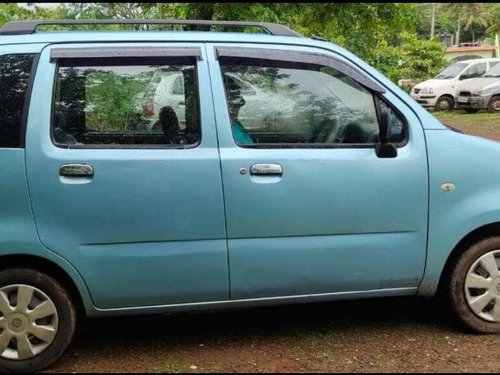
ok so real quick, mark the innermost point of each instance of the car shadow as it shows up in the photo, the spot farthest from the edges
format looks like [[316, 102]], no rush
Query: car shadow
[[396, 313]]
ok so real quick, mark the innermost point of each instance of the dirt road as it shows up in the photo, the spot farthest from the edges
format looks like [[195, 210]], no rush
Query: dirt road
[[380, 335]]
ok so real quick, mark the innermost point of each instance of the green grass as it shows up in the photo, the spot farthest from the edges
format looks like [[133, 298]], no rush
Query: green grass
[[467, 119]]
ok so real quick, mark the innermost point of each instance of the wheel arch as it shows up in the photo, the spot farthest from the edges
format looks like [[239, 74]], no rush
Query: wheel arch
[[57, 271], [485, 231]]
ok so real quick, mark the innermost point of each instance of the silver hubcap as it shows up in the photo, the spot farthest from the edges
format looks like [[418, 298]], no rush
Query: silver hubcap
[[444, 105], [496, 105], [482, 287], [28, 321]]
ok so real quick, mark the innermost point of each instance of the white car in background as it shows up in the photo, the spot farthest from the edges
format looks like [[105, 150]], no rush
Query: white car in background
[[480, 93], [439, 92], [166, 88]]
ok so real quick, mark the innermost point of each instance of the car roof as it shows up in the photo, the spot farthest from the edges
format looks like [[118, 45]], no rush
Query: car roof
[[471, 61]]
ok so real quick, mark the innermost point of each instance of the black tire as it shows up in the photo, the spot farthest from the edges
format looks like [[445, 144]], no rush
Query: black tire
[[494, 104], [444, 103], [471, 110], [66, 318], [455, 291]]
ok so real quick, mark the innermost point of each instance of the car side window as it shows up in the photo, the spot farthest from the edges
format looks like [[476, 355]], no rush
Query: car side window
[[178, 86], [298, 104], [107, 102], [476, 70], [15, 71], [493, 63]]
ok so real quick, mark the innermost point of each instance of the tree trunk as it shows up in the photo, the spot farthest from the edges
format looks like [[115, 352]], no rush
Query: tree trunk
[[200, 11], [433, 19], [458, 29]]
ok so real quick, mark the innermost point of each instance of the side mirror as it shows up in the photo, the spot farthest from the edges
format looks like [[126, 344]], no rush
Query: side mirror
[[383, 148], [463, 76]]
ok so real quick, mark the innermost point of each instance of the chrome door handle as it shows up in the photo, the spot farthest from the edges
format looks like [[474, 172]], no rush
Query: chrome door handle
[[76, 170], [266, 170]]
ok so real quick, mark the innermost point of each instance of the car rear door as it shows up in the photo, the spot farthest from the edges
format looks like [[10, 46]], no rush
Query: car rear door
[[138, 213]]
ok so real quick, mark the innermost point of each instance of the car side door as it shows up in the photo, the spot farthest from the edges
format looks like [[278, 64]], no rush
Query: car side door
[[310, 208], [139, 213]]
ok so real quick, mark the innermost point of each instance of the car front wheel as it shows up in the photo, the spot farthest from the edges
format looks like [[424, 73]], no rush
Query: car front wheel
[[37, 320], [494, 104], [474, 287], [444, 103]]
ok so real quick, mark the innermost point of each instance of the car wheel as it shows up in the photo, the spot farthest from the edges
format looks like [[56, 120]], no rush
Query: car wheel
[[444, 103], [37, 320], [494, 104], [471, 110], [474, 287]]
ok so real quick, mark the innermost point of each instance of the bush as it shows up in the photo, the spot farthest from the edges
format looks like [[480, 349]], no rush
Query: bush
[[413, 59]]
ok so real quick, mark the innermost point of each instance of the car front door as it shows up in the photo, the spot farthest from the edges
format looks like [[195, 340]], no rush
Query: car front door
[[139, 213], [310, 207]]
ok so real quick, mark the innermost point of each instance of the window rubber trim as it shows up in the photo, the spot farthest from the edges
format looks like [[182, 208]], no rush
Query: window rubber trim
[[117, 52], [301, 57]]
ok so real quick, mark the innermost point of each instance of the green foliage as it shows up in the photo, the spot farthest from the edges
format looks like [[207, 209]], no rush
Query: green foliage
[[414, 58], [111, 99], [383, 34]]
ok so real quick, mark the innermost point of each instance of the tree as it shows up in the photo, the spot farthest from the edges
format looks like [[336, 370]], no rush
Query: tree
[[476, 14], [413, 58]]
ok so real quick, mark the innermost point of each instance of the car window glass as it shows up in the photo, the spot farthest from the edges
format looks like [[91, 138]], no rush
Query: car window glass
[[451, 71], [104, 102], [178, 86], [14, 76], [494, 70], [297, 104], [475, 70], [493, 63]]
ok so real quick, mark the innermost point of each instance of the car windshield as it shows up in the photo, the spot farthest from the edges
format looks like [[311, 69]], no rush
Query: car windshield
[[451, 71], [493, 72]]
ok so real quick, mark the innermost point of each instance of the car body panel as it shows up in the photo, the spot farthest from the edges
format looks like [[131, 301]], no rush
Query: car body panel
[[143, 210], [472, 165]]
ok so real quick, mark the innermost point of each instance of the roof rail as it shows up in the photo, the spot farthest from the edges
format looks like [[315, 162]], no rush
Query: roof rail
[[29, 27]]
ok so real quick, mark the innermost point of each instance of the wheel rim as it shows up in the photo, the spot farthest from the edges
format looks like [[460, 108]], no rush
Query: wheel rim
[[496, 105], [482, 287], [28, 323], [444, 105]]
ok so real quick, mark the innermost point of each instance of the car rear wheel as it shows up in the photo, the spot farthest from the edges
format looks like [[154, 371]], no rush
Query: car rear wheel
[[494, 104], [474, 286], [37, 320], [444, 103]]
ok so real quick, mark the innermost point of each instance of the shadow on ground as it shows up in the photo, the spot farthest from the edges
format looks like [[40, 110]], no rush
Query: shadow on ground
[[279, 320]]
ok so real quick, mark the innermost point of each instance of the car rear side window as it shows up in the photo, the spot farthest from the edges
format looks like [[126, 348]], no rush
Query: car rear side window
[[15, 72], [103, 102]]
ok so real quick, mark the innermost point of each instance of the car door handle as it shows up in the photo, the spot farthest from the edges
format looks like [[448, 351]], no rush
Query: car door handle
[[76, 170], [266, 170]]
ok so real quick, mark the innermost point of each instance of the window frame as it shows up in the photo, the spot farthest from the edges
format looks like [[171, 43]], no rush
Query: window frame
[[188, 53], [276, 57]]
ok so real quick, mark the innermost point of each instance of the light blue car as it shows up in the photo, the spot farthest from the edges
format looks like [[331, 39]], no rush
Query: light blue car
[[364, 194]]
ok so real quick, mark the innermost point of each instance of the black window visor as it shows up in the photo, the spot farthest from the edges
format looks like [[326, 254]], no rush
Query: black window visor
[[302, 57]]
